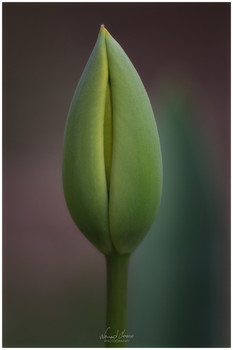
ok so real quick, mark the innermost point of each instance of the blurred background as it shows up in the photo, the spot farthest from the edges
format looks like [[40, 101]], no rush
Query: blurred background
[[53, 278]]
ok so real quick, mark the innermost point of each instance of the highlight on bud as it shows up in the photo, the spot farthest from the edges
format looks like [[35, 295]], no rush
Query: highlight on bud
[[112, 166]]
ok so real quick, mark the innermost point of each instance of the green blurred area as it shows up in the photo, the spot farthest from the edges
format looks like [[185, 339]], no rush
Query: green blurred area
[[180, 286]]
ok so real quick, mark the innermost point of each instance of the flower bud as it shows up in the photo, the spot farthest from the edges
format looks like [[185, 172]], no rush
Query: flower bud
[[112, 167]]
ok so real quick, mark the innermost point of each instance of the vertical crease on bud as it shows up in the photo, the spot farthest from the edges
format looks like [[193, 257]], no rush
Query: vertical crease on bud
[[108, 136], [108, 132]]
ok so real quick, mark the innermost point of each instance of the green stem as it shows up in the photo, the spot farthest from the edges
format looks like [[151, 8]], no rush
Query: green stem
[[117, 277]]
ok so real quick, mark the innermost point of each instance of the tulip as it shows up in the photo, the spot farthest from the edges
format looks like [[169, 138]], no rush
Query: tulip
[[112, 166]]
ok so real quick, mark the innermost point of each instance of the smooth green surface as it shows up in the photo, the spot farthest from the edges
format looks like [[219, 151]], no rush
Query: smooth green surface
[[136, 177], [112, 167], [84, 178]]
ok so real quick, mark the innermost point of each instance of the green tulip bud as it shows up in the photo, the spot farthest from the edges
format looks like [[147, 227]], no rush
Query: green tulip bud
[[112, 167]]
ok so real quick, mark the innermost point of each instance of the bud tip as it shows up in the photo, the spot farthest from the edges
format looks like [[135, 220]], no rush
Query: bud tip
[[103, 29]]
